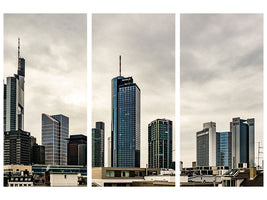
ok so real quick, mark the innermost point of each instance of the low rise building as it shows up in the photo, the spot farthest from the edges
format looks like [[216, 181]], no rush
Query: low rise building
[[243, 178], [59, 175], [117, 176], [18, 176]]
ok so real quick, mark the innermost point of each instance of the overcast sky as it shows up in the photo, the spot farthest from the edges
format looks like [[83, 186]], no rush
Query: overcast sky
[[54, 48], [146, 43], [221, 74]]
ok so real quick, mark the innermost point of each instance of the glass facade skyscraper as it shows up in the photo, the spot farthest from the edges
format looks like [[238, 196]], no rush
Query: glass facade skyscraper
[[160, 143], [206, 145], [98, 145], [243, 144], [55, 132], [17, 146], [125, 123], [14, 99], [224, 149]]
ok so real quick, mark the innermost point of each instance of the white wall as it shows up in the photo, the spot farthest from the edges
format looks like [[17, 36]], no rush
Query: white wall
[[61, 180]]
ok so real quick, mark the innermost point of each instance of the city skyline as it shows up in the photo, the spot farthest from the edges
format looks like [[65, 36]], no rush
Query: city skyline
[[146, 43], [221, 74], [54, 48]]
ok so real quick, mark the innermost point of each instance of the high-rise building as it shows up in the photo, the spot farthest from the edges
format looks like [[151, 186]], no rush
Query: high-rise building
[[98, 144], [243, 142], [109, 151], [101, 127], [206, 145], [160, 143], [17, 148], [14, 98], [74, 144], [38, 154], [125, 122], [82, 154], [55, 132], [224, 149]]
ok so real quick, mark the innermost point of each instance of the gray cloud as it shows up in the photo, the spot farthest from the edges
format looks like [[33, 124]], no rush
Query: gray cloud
[[54, 47], [221, 73], [147, 44]]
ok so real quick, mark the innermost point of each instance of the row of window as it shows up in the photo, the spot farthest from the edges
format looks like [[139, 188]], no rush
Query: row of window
[[20, 185]]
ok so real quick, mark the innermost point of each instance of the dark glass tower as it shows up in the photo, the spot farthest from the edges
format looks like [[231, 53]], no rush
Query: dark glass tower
[[224, 149], [55, 132], [98, 145], [74, 144], [17, 148], [125, 123], [160, 144]]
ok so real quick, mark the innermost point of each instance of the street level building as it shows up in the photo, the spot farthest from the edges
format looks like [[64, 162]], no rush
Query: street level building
[[55, 132], [125, 122], [17, 148], [160, 143], [120, 176], [206, 145], [243, 142]]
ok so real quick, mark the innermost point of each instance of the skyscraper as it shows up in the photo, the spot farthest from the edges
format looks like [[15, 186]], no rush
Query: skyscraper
[[224, 149], [243, 144], [125, 122], [17, 148], [55, 132], [73, 149], [109, 152], [160, 143], [101, 127], [98, 144], [14, 97], [206, 145]]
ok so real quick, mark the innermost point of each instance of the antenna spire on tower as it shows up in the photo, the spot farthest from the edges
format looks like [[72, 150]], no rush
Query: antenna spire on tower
[[18, 53], [120, 65], [18, 47]]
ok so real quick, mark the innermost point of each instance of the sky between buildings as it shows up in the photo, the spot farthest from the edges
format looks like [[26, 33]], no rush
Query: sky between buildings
[[54, 48], [221, 74], [146, 43]]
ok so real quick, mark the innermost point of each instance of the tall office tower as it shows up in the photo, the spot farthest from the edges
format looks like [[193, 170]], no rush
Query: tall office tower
[[38, 154], [160, 143], [109, 151], [17, 148], [224, 149], [82, 154], [55, 132], [73, 149], [243, 142], [32, 142], [125, 122], [96, 148], [14, 98], [101, 127], [206, 145], [98, 144]]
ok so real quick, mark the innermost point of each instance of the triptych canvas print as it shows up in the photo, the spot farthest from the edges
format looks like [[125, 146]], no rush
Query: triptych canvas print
[[113, 120]]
